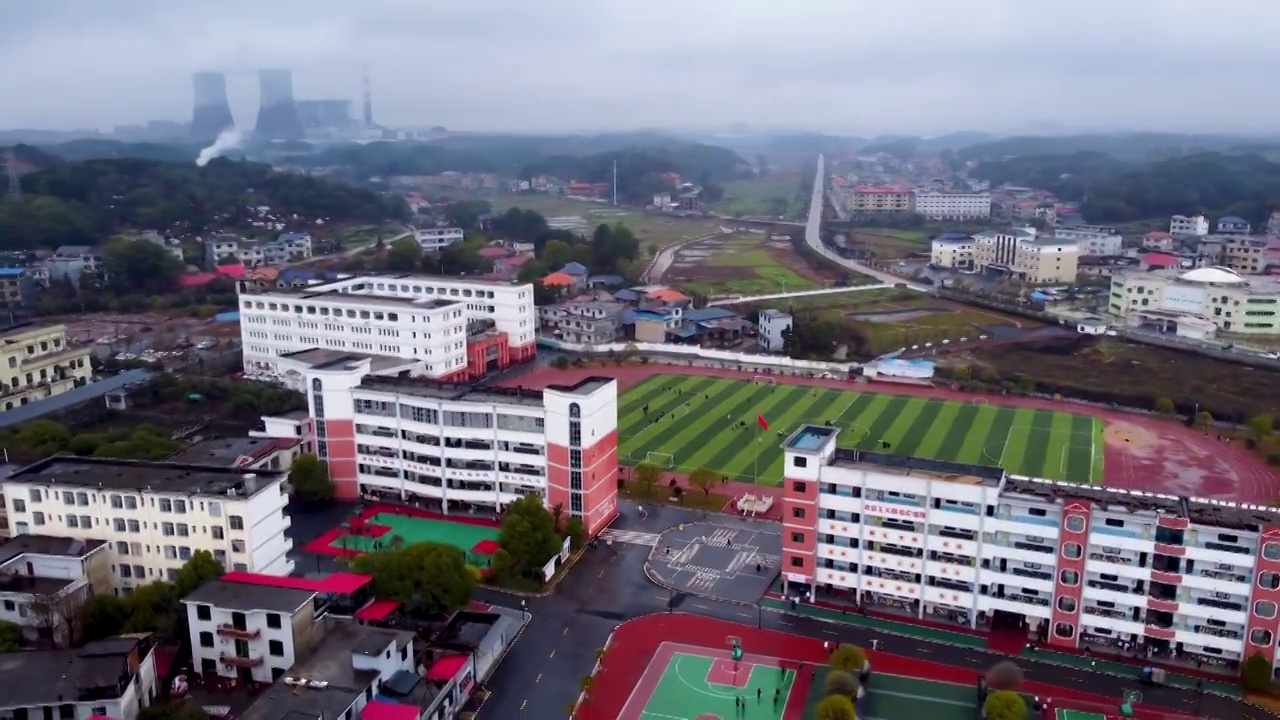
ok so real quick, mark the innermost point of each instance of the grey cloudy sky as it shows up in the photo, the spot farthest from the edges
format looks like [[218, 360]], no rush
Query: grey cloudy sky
[[857, 66]]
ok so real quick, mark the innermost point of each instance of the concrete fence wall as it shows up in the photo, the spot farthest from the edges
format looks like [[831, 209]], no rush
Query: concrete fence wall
[[689, 352]]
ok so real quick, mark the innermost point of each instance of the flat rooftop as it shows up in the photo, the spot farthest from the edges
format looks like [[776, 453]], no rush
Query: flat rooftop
[[326, 359], [33, 585], [47, 545], [146, 476], [363, 298], [245, 597], [48, 677], [524, 397], [226, 450], [921, 468]]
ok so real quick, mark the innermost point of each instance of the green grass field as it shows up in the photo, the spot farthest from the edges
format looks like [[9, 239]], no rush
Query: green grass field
[[699, 428]]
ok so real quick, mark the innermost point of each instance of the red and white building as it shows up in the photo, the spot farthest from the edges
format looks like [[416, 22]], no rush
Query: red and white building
[[447, 329], [450, 448], [1076, 562]]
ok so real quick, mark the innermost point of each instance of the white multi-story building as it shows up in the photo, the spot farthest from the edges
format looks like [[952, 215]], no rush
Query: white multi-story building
[[1020, 254], [1189, 225], [114, 677], [953, 206], [45, 581], [437, 239], [1194, 303], [446, 329], [286, 248], [773, 328], [155, 515], [953, 251], [1078, 562], [1092, 239], [451, 448]]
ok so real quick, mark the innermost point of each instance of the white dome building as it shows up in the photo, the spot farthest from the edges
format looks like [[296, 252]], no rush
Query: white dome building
[[1212, 276], [1197, 303]]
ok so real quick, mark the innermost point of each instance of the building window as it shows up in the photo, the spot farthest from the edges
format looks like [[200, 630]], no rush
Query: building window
[[799, 461], [798, 486], [19, 505], [1070, 578], [1260, 636], [1064, 630], [797, 513], [236, 522], [275, 648], [797, 537], [1264, 609], [216, 532], [273, 621], [206, 639], [1271, 551], [797, 562], [1268, 580], [1067, 604], [37, 518], [204, 612], [1074, 523], [166, 505], [1071, 551]]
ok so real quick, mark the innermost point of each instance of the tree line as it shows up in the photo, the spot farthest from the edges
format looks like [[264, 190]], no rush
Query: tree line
[[641, 169], [83, 203]]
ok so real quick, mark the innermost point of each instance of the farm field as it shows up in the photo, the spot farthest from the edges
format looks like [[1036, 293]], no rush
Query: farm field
[[888, 243], [705, 422], [649, 228], [772, 195], [742, 264]]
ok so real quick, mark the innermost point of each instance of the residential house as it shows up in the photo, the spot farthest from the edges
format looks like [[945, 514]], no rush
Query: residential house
[[1232, 225], [560, 281], [288, 247], [36, 362], [653, 326], [1244, 254], [582, 323], [1020, 254], [17, 288], [689, 198], [249, 453], [578, 272], [774, 325], [508, 268], [1193, 225], [1158, 240], [111, 678], [1092, 239], [173, 247], [952, 250], [70, 262], [436, 239], [45, 581]]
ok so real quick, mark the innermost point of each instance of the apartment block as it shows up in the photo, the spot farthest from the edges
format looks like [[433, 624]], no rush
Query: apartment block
[[437, 239], [953, 251], [953, 206], [114, 678], [36, 362], [446, 329], [1079, 564], [155, 515], [46, 579], [1196, 225], [1020, 254], [881, 200]]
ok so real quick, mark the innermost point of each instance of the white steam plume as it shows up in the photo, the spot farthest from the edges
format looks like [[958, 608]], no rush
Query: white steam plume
[[228, 139]]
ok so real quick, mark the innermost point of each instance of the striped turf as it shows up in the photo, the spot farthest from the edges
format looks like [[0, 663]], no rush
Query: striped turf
[[698, 421]]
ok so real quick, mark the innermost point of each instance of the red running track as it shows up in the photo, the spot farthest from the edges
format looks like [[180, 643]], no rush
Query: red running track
[[325, 543], [1141, 452], [635, 644]]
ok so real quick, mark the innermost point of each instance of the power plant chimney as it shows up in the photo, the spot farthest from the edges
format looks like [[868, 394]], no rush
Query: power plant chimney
[[368, 101], [277, 113], [211, 113]]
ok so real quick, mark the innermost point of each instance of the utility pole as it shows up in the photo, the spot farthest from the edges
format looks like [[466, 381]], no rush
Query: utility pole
[[615, 183]]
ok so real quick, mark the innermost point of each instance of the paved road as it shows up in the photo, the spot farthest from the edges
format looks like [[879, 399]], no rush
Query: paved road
[[667, 255], [799, 293], [813, 235], [540, 675]]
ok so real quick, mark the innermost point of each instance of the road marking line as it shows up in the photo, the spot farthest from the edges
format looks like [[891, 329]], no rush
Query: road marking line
[[539, 678]]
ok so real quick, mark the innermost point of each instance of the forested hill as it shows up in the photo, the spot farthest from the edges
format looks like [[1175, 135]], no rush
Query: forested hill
[[83, 203]]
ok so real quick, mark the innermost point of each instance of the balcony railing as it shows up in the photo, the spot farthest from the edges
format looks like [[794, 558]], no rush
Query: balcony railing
[[238, 661], [231, 631]]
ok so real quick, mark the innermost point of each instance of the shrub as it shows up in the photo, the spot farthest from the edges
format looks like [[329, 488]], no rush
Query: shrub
[[1274, 458], [835, 707], [1255, 673], [1004, 705], [1004, 676], [840, 682], [560, 363], [1164, 406], [849, 658]]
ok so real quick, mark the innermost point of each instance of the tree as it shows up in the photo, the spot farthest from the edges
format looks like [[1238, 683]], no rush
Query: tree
[[1255, 673], [1259, 426], [704, 479], [10, 637], [576, 532], [172, 711], [528, 534], [1005, 676], [840, 682], [309, 477], [102, 616], [57, 617], [1004, 705], [152, 607], [197, 571], [647, 477], [432, 577], [1165, 406], [1203, 419], [835, 707], [849, 658], [405, 255], [139, 267], [962, 373]]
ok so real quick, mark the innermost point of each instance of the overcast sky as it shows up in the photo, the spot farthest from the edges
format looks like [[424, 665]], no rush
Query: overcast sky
[[853, 66]]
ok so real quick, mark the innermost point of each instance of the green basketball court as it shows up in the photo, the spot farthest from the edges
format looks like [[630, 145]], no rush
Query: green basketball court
[[419, 530], [1079, 715], [697, 685]]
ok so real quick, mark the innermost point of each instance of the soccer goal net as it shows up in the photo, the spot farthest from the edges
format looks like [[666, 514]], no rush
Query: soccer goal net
[[979, 401], [765, 379], [660, 459]]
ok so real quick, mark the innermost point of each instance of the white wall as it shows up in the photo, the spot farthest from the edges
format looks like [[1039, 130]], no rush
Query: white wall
[[254, 620]]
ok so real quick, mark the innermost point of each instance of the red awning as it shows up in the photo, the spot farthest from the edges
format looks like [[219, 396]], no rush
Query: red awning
[[486, 547], [340, 583], [383, 710], [446, 668], [377, 610]]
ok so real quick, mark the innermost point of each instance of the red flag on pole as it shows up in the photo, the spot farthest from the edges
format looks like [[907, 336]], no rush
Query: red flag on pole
[[761, 422]]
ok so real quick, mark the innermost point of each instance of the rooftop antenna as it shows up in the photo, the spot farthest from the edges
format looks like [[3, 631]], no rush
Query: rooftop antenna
[[11, 169], [368, 98]]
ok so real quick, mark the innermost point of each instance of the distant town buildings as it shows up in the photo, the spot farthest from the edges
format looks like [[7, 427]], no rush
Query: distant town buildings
[[953, 205], [286, 248]]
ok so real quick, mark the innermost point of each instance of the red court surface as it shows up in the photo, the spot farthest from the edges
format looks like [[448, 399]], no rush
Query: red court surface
[[327, 542], [1141, 453], [636, 659]]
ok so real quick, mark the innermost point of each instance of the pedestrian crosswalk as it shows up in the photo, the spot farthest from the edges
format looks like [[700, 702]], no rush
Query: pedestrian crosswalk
[[629, 536]]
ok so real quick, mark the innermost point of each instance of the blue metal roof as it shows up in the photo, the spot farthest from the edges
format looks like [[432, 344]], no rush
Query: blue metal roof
[[12, 272], [710, 313], [71, 398], [626, 295], [574, 268]]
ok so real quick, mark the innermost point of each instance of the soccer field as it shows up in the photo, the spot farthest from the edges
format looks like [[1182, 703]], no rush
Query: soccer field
[[694, 422]]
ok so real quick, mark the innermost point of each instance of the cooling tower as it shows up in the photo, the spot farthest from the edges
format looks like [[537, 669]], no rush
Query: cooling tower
[[277, 113], [211, 113]]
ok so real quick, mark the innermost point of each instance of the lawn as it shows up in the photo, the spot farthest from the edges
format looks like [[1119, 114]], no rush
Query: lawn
[[772, 195], [888, 243], [744, 264], [649, 228], [693, 422]]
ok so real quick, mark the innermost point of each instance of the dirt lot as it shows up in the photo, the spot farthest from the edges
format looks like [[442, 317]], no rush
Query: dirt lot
[[888, 244], [115, 333], [1138, 370], [743, 264]]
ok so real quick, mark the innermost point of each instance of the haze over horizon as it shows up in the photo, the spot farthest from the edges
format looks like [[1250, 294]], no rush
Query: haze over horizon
[[846, 66]]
